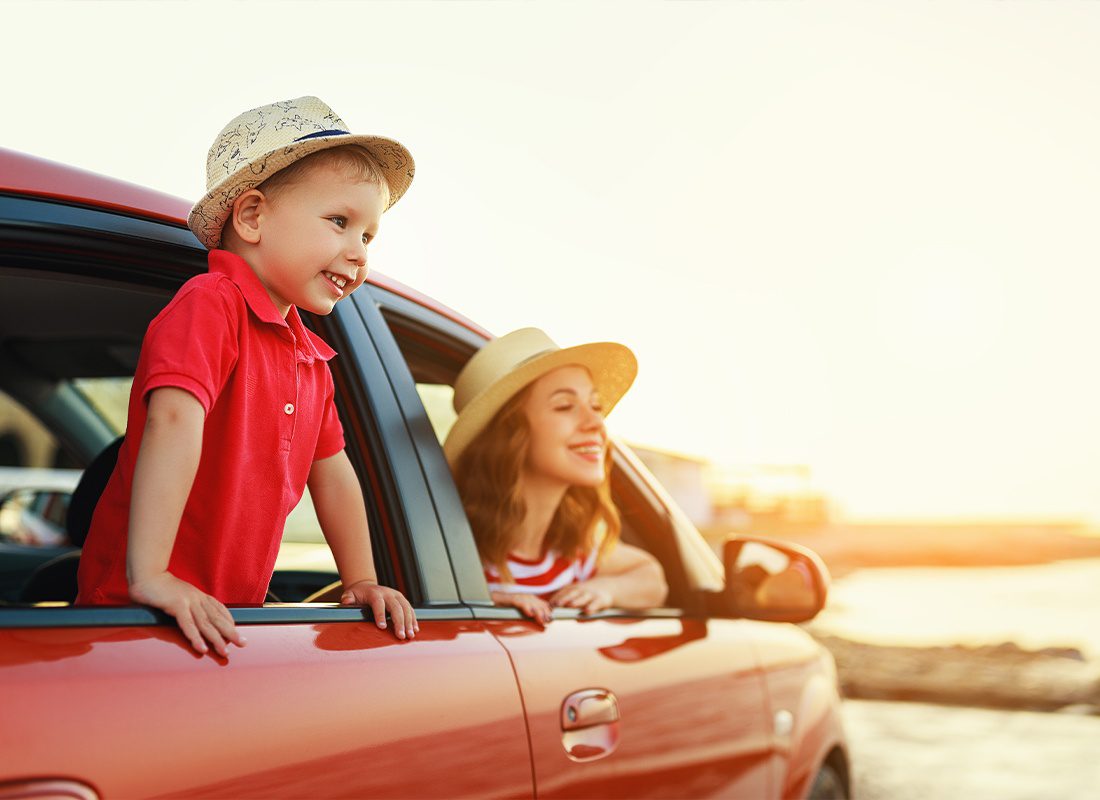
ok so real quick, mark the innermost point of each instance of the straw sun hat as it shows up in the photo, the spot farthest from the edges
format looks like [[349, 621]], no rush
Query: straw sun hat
[[262, 141], [500, 369]]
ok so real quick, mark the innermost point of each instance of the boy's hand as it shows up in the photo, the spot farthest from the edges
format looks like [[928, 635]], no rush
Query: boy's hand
[[529, 605], [588, 596], [201, 617], [381, 599]]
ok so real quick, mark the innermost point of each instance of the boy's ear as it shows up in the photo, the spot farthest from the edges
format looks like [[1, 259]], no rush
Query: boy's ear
[[245, 215]]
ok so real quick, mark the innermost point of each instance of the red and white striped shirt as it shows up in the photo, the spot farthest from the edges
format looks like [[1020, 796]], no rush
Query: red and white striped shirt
[[545, 576]]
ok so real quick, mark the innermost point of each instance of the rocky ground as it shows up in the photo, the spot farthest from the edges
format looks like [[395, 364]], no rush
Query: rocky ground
[[1003, 676]]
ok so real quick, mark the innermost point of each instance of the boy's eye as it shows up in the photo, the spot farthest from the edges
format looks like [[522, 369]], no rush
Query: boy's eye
[[339, 221]]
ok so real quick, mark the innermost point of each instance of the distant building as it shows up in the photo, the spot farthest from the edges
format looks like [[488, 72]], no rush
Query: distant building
[[747, 495]]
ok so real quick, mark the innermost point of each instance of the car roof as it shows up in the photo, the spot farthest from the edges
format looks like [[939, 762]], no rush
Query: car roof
[[28, 175]]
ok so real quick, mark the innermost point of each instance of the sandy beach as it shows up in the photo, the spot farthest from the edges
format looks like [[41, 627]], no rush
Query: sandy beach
[[917, 751]]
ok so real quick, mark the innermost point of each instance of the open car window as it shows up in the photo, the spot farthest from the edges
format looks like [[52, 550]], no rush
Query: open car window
[[438, 400], [108, 397], [435, 349], [66, 368]]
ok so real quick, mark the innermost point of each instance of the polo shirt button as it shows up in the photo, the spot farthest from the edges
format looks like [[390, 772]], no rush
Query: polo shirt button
[[289, 408]]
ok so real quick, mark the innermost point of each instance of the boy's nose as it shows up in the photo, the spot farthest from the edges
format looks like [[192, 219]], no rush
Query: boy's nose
[[357, 254]]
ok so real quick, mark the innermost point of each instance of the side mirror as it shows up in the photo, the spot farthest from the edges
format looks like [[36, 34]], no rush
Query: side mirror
[[773, 581]]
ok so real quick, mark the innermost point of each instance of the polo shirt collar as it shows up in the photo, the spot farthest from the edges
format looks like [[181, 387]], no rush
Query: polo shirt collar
[[259, 302], [310, 345]]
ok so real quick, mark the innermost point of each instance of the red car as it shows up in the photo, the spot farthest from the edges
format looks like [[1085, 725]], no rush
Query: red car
[[714, 694]]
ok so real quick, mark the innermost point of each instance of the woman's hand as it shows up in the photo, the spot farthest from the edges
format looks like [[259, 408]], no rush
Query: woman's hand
[[529, 605], [381, 599], [589, 596], [202, 618], [631, 576]]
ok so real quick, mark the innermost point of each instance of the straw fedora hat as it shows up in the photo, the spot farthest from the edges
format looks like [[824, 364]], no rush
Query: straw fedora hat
[[260, 142], [500, 369]]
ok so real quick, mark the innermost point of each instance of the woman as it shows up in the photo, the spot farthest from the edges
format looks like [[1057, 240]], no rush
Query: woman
[[530, 456]]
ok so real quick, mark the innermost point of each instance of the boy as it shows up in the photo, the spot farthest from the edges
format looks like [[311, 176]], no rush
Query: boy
[[231, 413]]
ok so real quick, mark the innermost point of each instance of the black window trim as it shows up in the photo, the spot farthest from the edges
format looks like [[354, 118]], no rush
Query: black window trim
[[141, 616], [450, 518], [420, 551], [38, 233]]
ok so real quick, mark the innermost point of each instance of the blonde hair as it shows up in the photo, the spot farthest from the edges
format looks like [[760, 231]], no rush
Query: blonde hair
[[355, 161], [488, 478]]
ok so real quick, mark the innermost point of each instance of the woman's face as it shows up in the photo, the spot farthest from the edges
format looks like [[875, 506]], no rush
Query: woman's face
[[568, 441]]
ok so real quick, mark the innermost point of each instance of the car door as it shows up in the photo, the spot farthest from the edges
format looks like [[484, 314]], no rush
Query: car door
[[320, 703], [640, 705], [623, 704]]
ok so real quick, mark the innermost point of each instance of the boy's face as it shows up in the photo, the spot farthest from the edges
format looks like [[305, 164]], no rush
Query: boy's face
[[313, 236]]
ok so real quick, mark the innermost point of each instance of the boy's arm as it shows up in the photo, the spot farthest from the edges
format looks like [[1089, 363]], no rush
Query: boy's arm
[[166, 465], [338, 501]]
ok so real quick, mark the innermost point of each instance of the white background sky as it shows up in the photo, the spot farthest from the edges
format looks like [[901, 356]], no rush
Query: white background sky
[[855, 235]]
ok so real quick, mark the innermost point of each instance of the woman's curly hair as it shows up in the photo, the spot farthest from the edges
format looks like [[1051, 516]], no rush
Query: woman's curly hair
[[488, 477]]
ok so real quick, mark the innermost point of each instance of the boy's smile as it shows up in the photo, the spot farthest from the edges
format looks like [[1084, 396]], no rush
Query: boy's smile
[[313, 236]]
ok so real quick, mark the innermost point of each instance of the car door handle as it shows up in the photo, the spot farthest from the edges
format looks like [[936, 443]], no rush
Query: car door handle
[[589, 707], [590, 724]]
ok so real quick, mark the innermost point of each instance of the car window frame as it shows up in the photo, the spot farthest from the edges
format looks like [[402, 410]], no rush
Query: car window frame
[[456, 536], [41, 236], [457, 337]]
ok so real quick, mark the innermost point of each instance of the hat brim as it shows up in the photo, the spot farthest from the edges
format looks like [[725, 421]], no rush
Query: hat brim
[[612, 366], [209, 215]]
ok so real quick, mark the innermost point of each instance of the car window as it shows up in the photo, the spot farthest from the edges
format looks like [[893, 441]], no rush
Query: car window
[[109, 397], [64, 395], [434, 355], [35, 481], [24, 441], [438, 399], [303, 547]]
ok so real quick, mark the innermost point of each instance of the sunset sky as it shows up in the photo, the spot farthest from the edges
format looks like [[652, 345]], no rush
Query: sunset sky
[[859, 236]]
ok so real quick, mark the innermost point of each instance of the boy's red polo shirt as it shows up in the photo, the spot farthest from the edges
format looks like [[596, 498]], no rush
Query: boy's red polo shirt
[[268, 394]]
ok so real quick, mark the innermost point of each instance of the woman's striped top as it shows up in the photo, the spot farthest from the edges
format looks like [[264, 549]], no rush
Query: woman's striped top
[[544, 576]]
